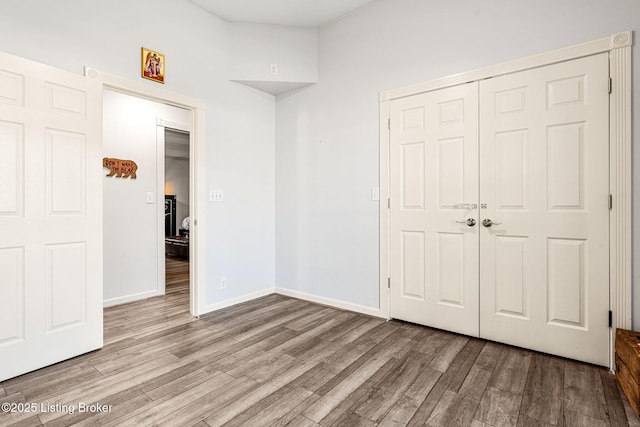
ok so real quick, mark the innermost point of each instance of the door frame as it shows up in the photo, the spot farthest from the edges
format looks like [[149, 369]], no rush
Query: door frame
[[620, 141], [197, 175]]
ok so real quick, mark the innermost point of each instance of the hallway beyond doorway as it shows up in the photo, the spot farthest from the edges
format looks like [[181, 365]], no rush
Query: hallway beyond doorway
[[177, 275]]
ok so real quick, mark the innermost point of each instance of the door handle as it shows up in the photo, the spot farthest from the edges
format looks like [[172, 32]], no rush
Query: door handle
[[470, 222], [488, 223]]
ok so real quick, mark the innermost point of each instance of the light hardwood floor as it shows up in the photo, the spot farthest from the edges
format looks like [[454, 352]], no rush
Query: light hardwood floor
[[279, 361]]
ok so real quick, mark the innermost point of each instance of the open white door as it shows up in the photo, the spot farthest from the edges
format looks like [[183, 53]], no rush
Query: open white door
[[50, 215]]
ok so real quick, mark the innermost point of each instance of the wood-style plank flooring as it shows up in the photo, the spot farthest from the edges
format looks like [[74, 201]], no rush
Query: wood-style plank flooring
[[176, 275], [279, 361]]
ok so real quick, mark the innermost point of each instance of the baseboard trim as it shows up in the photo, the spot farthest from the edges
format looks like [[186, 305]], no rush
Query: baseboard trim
[[357, 308], [342, 305], [130, 298], [233, 301]]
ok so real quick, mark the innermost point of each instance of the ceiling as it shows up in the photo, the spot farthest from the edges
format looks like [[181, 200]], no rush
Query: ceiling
[[295, 13]]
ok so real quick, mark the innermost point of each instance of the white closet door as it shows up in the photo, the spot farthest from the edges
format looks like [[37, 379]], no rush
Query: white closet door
[[50, 215], [434, 170], [544, 160]]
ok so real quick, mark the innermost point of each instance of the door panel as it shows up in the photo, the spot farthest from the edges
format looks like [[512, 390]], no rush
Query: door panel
[[66, 285], [512, 183], [434, 262], [12, 301], [50, 215], [545, 179], [450, 251], [66, 172], [11, 168], [412, 254], [511, 286]]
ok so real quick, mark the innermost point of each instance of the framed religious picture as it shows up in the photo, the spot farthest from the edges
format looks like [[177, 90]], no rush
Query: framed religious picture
[[152, 65]]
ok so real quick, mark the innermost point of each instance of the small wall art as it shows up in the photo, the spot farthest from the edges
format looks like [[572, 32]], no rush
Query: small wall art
[[120, 168], [153, 65]]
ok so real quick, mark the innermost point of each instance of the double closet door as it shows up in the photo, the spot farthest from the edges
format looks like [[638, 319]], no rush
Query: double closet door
[[499, 211]]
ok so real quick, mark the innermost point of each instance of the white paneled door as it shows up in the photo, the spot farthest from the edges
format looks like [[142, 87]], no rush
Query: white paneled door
[[50, 215], [544, 161], [499, 218], [434, 192]]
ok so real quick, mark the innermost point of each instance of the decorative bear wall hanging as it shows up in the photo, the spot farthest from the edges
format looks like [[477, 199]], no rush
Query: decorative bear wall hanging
[[120, 168]]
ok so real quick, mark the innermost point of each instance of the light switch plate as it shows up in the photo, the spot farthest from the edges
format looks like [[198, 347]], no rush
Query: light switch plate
[[216, 196], [375, 193]]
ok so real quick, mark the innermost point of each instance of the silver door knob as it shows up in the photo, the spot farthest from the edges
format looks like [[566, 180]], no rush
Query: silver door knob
[[488, 223], [470, 222]]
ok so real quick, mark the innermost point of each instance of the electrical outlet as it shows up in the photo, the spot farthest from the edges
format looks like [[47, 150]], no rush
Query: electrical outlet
[[274, 69], [223, 283]]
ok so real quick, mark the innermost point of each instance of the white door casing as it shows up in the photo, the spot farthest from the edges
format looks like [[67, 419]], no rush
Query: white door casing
[[434, 191], [50, 215], [544, 177]]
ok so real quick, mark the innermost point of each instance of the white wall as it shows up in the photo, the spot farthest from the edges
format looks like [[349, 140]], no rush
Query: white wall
[[327, 135], [131, 236], [254, 47], [108, 36]]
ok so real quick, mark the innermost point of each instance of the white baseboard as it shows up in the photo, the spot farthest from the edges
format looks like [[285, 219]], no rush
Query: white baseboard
[[130, 298], [371, 311], [357, 308], [233, 301]]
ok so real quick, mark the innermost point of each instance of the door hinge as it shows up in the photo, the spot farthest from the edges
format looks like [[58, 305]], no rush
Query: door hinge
[[389, 203], [388, 282], [610, 85], [610, 318], [389, 122], [610, 201]]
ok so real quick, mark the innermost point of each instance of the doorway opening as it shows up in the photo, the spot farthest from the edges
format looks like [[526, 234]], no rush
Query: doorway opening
[[177, 219], [194, 124]]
